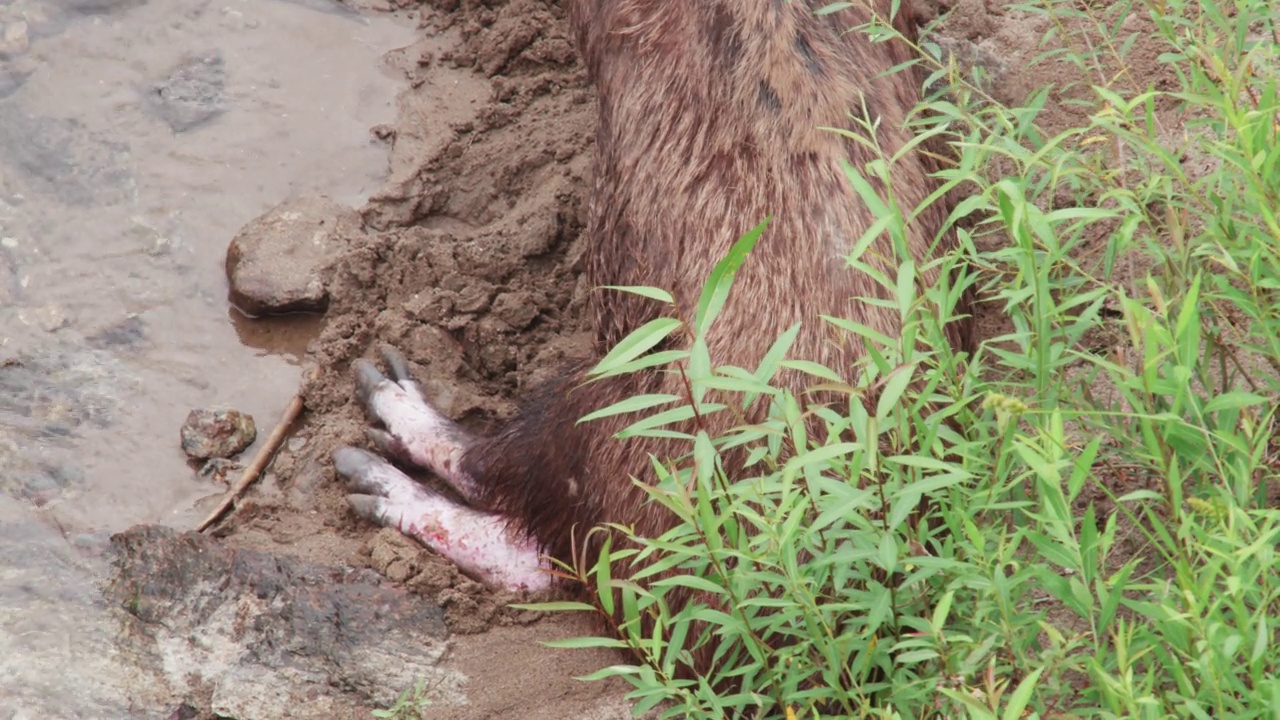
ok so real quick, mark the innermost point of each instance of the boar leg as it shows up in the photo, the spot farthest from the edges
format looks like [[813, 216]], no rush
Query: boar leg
[[481, 544]]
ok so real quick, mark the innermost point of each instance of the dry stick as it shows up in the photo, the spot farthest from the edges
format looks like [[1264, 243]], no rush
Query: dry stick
[[259, 462]]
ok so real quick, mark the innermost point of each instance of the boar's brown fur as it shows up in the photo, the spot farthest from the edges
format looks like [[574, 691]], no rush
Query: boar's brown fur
[[711, 117]]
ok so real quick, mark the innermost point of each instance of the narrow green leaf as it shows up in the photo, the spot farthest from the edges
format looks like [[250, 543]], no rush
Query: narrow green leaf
[[650, 292], [692, 582], [894, 387], [1021, 696], [716, 290], [604, 568], [555, 606], [637, 343], [608, 672], [580, 643], [631, 404]]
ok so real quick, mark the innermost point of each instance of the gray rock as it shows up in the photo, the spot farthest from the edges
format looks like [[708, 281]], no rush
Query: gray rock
[[9, 285], [48, 394], [128, 332], [14, 39], [49, 318], [97, 7], [54, 619], [13, 73], [44, 19], [217, 433], [274, 263], [192, 94], [252, 635], [63, 158]]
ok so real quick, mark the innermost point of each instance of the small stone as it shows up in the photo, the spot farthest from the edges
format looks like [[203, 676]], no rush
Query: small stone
[[221, 470], [13, 73], [14, 40], [192, 94], [296, 444], [38, 488], [50, 318], [9, 285], [274, 263], [43, 19], [125, 333], [91, 543], [87, 7], [217, 433], [184, 712]]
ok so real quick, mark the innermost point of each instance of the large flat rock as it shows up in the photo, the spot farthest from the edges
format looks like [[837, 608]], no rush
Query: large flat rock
[[246, 634]]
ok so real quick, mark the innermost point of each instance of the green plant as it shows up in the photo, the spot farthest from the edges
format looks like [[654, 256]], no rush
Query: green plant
[[410, 705], [1100, 535]]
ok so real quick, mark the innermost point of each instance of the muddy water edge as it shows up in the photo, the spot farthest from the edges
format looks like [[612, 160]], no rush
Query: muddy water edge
[[135, 139]]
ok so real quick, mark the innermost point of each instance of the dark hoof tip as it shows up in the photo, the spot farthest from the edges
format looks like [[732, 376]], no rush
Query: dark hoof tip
[[368, 376], [396, 364], [367, 507], [351, 462], [387, 444]]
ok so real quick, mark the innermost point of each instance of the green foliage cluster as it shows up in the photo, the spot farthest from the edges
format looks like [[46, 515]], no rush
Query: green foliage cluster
[[1100, 537], [411, 704]]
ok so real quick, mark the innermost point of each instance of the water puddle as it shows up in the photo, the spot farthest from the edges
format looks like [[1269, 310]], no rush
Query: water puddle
[[135, 140]]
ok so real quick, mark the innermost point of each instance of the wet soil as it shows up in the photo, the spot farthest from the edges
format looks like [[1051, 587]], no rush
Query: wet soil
[[471, 190], [114, 322]]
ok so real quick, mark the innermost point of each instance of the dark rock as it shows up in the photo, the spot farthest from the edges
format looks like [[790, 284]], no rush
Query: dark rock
[[221, 470], [126, 333], [184, 712], [13, 73], [266, 636], [62, 157], [45, 397], [274, 263], [9, 285], [194, 93], [217, 433], [99, 7]]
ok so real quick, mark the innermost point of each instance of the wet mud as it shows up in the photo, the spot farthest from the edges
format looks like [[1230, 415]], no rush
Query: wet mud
[[114, 319]]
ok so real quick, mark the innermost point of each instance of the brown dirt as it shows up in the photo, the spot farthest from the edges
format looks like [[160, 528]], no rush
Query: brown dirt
[[471, 267]]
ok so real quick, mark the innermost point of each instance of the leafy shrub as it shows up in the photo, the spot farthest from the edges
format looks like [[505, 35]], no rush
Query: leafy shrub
[[1099, 538]]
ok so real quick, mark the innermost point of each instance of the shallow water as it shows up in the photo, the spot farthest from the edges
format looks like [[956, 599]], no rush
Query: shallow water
[[115, 213]]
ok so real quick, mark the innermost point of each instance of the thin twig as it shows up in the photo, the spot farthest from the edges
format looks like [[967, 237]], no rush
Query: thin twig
[[259, 462]]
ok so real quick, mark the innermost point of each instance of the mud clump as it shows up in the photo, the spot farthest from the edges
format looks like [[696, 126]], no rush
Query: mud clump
[[471, 262]]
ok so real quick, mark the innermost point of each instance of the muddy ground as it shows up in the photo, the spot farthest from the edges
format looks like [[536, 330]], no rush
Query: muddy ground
[[469, 263]]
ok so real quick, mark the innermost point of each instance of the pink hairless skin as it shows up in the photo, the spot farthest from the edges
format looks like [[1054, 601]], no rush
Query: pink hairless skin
[[479, 543]]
